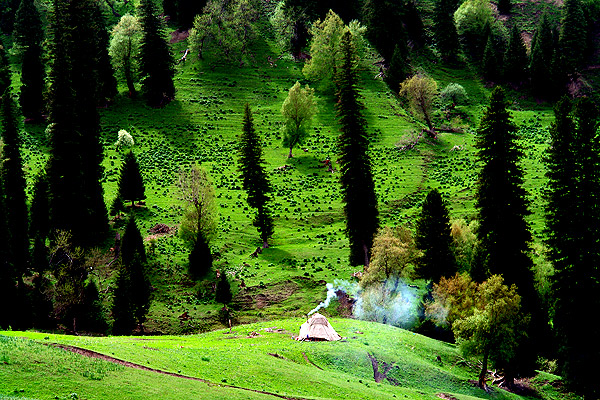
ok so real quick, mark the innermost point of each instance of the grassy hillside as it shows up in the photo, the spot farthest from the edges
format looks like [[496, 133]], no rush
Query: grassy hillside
[[239, 364]]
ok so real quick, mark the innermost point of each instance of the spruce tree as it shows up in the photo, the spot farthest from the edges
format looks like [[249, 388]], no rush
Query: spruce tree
[[515, 59], [13, 179], [572, 41], [28, 38], [8, 276], [200, 258], [133, 290], [434, 240], [385, 30], [542, 58], [445, 33], [399, 67], [107, 83], [358, 189], [156, 60], [493, 56], [74, 168], [131, 183], [5, 74], [573, 233], [255, 180], [223, 291], [503, 232], [39, 221]]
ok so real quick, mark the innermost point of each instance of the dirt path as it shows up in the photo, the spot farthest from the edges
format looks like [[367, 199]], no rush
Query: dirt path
[[94, 354]]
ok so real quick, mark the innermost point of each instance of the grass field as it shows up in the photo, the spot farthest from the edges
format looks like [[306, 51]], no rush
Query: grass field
[[260, 357]]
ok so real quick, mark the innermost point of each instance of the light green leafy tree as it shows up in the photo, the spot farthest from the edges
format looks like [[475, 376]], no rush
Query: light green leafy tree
[[124, 46], [228, 26], [421, 92], [325, 46], [298, 109], [496, 327]]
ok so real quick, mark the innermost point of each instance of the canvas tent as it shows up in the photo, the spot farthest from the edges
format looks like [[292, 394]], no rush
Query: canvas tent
[[317, 328]]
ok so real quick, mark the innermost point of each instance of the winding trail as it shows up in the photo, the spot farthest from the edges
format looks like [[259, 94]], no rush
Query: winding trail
[[94, 354]]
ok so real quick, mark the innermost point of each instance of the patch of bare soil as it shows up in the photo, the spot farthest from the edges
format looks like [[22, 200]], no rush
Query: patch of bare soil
[[258, 297], [93, 354], [446, 396], [178, 36], [310, 362]]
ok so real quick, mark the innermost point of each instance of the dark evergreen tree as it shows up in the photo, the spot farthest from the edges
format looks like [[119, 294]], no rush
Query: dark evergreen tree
[[39, 221], [504, 6], [411, 18], [573, 37], [74, 169], [399, 67], [445, 33], [542, 59], [385, 30], [155, 58], [5, 79], [200, 259], [358, 189], [117, 206], [28, 37], [503, 232], [133, 290], [223, 291], [434, 240], [8, 9], [14, 186], [131, 183], [255, 180], [573, 233], [93, 318], [187, 11], [493, 57], [107, 83], [8, 276], [515, 59]]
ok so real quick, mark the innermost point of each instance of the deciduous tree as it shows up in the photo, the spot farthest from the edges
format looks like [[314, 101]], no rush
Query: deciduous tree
[[124, 46], [298, 109], [421, 92]]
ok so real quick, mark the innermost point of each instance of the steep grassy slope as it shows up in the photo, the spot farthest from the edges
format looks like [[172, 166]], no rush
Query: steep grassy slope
[[259, 357]]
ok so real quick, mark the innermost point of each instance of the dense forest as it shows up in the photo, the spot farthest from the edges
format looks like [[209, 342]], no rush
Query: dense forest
[[177, 166]]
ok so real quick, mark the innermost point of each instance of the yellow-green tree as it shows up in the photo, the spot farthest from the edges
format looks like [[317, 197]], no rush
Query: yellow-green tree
[[421, 92], [297, 110]]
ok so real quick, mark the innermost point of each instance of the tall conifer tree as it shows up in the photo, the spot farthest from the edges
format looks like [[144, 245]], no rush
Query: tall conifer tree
[[156, 60], [14, 185], [28, 37], [573, 236], [131, 183], [434, 240], [541, 59], [573, 37], [385, 30], [255, 180], [503, 232], [107, 83], [445, 33], [358, 189], [515, 59], [8, 276]]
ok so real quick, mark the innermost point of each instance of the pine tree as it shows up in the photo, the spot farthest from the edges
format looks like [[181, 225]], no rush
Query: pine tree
[[542, 58], [493, 58], [156, 60], [5, 74], [399, 67], [74, 169], [39, 221], [28, 37], [572, 41], [255, 180], [503, 232], [133, 291], [445, 33], [385, 30], [223, 291], [107, 84], [93, 318], [131, 183], [14, 185], [358, 189], [8, 278], [573, 233], [434, 240], [515, 59]]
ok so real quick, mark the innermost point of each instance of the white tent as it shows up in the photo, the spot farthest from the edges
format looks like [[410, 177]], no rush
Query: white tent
[[317, 328]]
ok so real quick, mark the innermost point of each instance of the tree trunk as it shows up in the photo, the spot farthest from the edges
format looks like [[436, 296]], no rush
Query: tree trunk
[[129, 79], [483, 372], [290, 154], [366, 250], [265, 244]]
